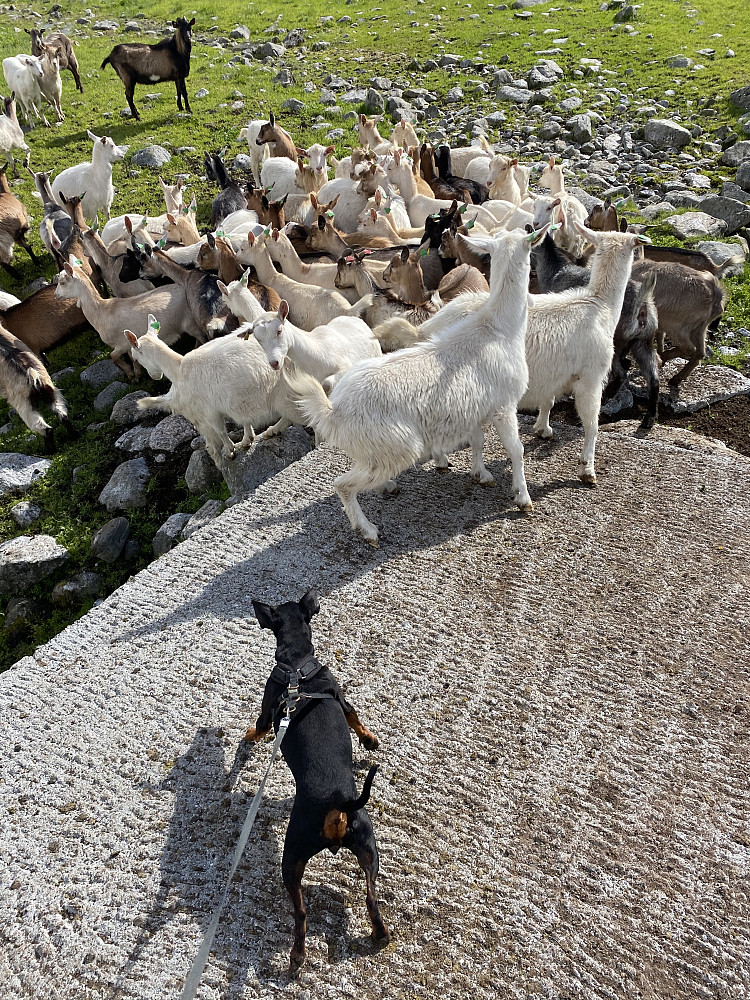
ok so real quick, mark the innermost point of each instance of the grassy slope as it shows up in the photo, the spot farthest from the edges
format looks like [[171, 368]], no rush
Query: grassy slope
[[380, 41]]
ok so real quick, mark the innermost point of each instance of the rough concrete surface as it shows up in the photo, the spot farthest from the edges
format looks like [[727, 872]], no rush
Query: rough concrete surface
[[562, 807]]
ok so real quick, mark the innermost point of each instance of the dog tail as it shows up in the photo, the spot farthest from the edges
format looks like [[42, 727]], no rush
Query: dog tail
[[361, 802]]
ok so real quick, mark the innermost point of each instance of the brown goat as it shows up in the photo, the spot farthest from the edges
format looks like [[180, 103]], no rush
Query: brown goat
[[404, 273], [61, 46], [279, 139], [26, 384], [217, 255], [14, 224], [603, 218], [43, 321], [169, 59]]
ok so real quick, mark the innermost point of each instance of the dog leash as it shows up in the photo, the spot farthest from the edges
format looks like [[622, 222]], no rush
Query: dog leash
[[199, 963]]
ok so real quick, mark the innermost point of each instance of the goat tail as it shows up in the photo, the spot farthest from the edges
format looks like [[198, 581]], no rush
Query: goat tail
[[107, 60], [310, 399], [737, 261], [351, 807], [395, 333]]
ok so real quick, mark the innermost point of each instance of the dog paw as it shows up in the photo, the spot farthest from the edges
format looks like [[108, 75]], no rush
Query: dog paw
[[369, 741]]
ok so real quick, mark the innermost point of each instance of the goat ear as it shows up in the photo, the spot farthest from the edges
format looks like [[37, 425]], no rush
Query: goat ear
[[310, 604], [170, 217], [251, 239], [245, 277], [271, 119], [222, 288], [211, 240], [321, 222], [301, 151], [192, 22], [552, 161], [128, 224], [335, 201], [264, 614], [283, 310], [68, 268], [405, 255], [588, 234], [90, 134], [373, 215], [329, 150], [313, 201], [362, 119], [131, 337]]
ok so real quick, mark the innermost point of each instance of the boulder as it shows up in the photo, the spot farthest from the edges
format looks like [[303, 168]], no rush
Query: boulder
[[269, 50], [125, 411], [741, 98], [25, 561], [151, 156], [201, 473], [171, 433], [293, 105], [516, 95], [581, 129], [85, 584], [731, 190], [109, 395], [126, 488], [135, 439], [253, 467], [101, 373], [19, 472], [374, 103], [168, 534], [695, 224], [743, 175], [25, 513], [736, 154], [20, 612], [240, 31], [680, 62], [109, 541], [666, 134], [735, 214]]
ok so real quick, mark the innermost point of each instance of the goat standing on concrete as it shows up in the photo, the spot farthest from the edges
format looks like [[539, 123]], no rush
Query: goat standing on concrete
[[168, 60], [426, 400]]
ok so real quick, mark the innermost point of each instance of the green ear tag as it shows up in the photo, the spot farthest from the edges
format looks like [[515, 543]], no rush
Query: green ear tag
[[463, 208], [243, 280], [470, 223], [154, 325], [329, 214], [220, 232], [77, 262], [162, 242], [423, 252], [387, 211]]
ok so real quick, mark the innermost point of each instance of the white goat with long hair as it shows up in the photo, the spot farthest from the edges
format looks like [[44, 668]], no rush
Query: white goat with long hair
[[425, 400], [92, 182]]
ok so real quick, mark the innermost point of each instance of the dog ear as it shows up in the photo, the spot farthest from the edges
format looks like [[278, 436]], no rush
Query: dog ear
[[264, 614], [310, 604]]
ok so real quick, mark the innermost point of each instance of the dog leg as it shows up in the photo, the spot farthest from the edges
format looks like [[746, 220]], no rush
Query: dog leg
[[292, 872], [368, 740], [368, 861], [255, 735]]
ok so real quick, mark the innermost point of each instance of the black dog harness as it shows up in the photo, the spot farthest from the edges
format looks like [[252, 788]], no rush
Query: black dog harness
[[291, 678]]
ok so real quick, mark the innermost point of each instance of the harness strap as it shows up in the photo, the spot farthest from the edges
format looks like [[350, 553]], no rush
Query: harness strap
[[199, 963]]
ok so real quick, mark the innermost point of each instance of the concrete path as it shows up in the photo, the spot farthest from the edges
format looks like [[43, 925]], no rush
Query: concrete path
[[562, 810]]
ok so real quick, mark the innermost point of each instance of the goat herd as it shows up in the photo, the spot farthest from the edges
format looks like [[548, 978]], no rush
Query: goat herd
[[296, 293]]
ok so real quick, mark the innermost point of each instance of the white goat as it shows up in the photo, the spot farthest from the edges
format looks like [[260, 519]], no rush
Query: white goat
[[419, 206], [569, 340], [50, 83], [115, 229], [92, 182], [325, 353], [309, 306], [426, 400], [223, 379], [403, 135], [241, 301], [257, 153], [23, 75], [322, 274], [568, 212], [11, 134], [109, 317]]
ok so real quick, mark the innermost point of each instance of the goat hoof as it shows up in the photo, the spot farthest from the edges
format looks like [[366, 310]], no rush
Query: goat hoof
[[443, 468], [487, 480], [589, 478], [526, 507], [544, 432], [296, 959]]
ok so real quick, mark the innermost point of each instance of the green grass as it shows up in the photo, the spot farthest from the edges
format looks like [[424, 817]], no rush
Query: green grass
[[380, 40]]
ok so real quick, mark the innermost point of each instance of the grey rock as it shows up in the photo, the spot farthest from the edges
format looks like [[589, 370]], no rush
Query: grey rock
[[101, 373], [731, 190], [666, 134], [106, 26], [570, 104], [449, 59], [19, 472], [374, 103], [356, 96], [680, 62], [454, 96], [242, 161], [502, 77], [201, 472], [550, 130], [396, 105], [168, 534], [132, 26], [284, 77], [205, 514], [496, 118], [695, 224], [293, 105], [199, 94], [21, 611], [735, 214], [320, 46], [25, 561], [85, 584], [682, 198], [131, 550], [581, 129], [240, 31], [722, 252], [743, 175], [106, 399], [109, 540], [627, 13], [335, 134], [294, 38], [381, 83], [249, 469], [270, 50], [25, 513], [126, 488], [516, 95], [171, 433], [125, 411], [741, 98], [134, 439], [151, 156], [736, 154], [58, 377]]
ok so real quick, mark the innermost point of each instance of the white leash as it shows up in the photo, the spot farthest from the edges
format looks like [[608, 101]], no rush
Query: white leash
[[199, 963]]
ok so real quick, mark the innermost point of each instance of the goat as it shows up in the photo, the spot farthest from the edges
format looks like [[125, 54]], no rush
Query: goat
[[23, 74], [419, 206], [231, 198], [321, 274], [11, 134], [687, 303], [284, 177], [240, 299], [117, 229], [316, 156], [92, 182], [570, 339], [224, 379], [370, 137], [74, 246], [473, 191], [50, 83], [691, 258], [325, 352], [405, 273], [205, 304], [308, 306], [26, 385], [568, 211], [43, 321], [472, 161], [217, 255], [257, 155], [55, 216], [109, 317], [636, 325], [278, 139], [603, 218], [14, 225], [135, 62], [403, 135], [62, 46], [390, 412], [111, 267]]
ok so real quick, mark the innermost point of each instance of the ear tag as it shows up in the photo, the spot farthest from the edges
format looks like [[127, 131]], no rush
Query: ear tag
[[220, 233], [140, 246], [554, 226], [154, 325], [387, 211], [267, 232], [329, 215], [470, 224], [463, 208], [162, 242], [621, 201], [95, 227], [423, 252], [531, 237], [243, 280]]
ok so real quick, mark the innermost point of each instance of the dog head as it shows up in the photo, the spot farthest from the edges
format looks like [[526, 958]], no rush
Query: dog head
[[289, 620]]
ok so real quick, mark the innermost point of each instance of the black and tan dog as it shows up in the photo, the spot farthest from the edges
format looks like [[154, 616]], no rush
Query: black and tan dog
[[318, 750]]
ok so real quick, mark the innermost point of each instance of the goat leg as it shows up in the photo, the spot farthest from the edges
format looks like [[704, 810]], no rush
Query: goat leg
[[646, 359], [21, 241], [12, 271]]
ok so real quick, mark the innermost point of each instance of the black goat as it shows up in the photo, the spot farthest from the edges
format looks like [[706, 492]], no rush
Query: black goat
[[167, 60], [479, 193], [61, 46], [636, 327], [231, 198]]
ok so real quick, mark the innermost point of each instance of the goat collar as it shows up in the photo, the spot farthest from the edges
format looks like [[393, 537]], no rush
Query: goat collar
[[308, 667]]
